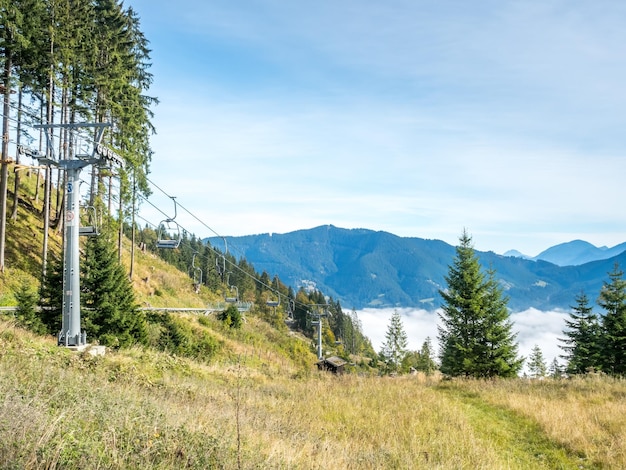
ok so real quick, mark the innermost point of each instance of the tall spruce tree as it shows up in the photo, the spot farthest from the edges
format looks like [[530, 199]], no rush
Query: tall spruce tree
[[582, 338], [26, 313], [111, 313], [475, 332], [613, 343], [394, 348], [51, 296]]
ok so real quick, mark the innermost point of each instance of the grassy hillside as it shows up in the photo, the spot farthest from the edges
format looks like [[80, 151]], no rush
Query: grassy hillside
[[255, 408], [156, 283]]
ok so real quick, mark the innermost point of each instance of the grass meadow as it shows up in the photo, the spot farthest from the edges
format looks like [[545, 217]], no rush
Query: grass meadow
[[255, 408]]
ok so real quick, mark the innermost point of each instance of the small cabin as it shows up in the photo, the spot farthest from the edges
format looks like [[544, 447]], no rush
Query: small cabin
[[332, 364]]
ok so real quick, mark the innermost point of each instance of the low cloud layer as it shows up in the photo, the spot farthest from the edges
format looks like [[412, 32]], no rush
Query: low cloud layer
[[533, 327]]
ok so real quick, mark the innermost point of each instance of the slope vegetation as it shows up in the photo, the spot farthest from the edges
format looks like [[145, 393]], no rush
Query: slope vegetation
[[256, 408]]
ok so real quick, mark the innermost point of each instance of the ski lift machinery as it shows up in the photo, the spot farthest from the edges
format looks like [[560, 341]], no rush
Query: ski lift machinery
[[169, 235]]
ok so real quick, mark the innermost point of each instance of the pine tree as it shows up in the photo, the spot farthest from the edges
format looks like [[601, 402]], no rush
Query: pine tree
[[613, 344], [582, 338], [475, 333], [110, 312], [231, 317], [51, 296], [555, 370], [26, 308], [537, 367], [426, 361], [394, 348], [498, 347]]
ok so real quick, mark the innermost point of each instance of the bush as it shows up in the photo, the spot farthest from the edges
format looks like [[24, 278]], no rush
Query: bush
[[231, 317]]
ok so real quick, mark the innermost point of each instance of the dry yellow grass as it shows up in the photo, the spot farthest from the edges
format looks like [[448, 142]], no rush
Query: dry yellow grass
[[141, 408]]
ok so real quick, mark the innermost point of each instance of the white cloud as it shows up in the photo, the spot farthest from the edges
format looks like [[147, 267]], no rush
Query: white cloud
[[504, 118], [533, 327]]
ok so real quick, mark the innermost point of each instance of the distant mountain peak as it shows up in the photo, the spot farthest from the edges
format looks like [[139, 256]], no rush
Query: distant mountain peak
[[516, 254], [577, 252]]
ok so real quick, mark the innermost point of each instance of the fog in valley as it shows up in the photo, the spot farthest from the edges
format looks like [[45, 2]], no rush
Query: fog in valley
[[533, 327]]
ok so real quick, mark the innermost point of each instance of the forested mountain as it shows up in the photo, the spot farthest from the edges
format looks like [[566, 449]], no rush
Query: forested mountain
[[364, 268]]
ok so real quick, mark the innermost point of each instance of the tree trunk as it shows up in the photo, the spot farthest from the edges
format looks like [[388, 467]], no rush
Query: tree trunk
[[4, 167], [121, 231], [132, 244], [16, 186], [48, 188]]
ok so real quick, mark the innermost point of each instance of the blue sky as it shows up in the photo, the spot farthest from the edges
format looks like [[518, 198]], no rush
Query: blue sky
[[419, 117]]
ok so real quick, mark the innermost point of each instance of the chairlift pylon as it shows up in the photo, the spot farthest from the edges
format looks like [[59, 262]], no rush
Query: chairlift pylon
[[291, 308], [169, 234], [197, 273]]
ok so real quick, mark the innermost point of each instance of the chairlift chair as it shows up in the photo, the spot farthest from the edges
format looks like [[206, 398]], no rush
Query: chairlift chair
[[233, 300], [93, 229], [221, 269], [169, 235], [273, 303]]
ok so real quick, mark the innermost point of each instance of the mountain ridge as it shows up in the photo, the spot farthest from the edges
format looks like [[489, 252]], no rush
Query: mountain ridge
[[366, 268]]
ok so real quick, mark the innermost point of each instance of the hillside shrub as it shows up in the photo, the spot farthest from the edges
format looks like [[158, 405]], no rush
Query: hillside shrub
[[177, 336], [231, 317]]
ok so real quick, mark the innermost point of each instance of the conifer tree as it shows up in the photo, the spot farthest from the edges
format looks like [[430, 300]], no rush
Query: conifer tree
[[555, 370], [26, 308], [537, 367], [51, 296], [111, 313], [426, 361], [582, 338], [231, 317], [498, 350], [613, 344], [394, 348], [475, 332]]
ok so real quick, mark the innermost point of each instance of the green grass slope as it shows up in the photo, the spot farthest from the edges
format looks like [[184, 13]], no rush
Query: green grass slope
[[253, 407]]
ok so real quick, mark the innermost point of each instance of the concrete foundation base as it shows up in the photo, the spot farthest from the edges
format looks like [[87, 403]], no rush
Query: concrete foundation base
[[94, 350]]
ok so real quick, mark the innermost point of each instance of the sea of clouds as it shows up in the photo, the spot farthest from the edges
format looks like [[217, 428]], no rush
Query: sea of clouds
[[533, 327]]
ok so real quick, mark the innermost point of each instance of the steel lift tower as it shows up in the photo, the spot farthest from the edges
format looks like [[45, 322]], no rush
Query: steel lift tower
[[70, 334], [319, 311]]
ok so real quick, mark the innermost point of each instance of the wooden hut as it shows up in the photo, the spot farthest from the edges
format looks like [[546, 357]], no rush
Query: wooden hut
[[332, 364]]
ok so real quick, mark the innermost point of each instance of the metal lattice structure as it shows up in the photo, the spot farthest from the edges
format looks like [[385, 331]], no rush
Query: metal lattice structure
[[80, 153]]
